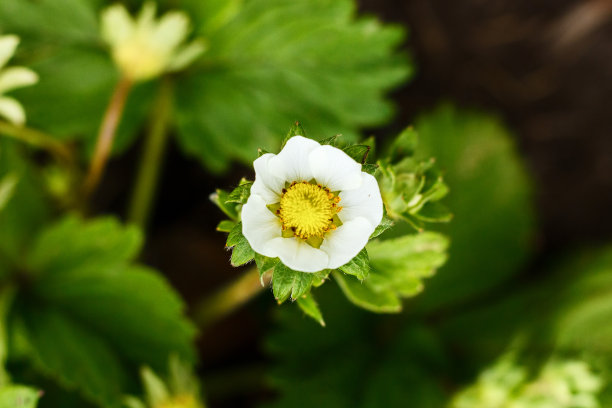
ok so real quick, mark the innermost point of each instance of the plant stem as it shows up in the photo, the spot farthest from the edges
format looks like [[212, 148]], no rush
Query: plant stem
[[106, 135], [152, 157], [229, 298], [38, 139]]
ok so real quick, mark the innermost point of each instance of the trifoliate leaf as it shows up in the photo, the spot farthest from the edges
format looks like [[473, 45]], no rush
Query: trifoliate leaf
[[83, 310], [277, 61], [359, 266], [287, 282], [490, 199], [311, 308], [241, 249], [18, 396]]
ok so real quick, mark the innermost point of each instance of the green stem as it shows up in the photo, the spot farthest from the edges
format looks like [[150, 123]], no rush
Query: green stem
[[229, 298], [106, 136], [7, 294], [37, 139], [152, 158]]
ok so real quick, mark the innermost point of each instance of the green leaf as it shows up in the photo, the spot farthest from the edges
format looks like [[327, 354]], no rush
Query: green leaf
[[295, 130], [434, 212], [286, 282], [83, 312], [18, 396], [241, 193], [241, 249], [370, 168], [212, 14], [359, 266], [490, 199], [332, 141], [358, 152], [221, 199], [264, 264], [404, 145], [310, 307], [226, 226], [384, 225], [361, 294], [279, 61], [7, 188]]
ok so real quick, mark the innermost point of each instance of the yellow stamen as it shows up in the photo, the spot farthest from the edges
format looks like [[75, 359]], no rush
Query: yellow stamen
[[308, 209]]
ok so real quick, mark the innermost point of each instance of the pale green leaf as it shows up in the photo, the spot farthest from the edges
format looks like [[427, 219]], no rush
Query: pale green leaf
[[311, 308], [19, 396], [361, 294]]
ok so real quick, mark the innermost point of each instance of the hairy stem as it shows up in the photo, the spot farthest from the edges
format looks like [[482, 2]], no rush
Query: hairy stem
[[229, 298], [152, 157], [106, 135], [37, 139]]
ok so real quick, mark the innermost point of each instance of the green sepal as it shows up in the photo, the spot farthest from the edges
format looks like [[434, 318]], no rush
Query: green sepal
[[219, 198], [310, 307], [370, 168], [362, 295], [241, 249], [331, 141], [19, 396], [264, 264], [287, 282], [358, 152], [295, 130], [320, 277], [261, 152], [359, 266], [240, 194], [384, 225], [226, 226]]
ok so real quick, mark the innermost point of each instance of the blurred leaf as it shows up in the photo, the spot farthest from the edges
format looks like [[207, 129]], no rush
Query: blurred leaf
[[279, 61], [384, 225], [241, 193], [490, 198], [362, 295], [226, 226], [355, 361], [310, 307], [7, 188], [241, 249], [18, 396], [83, 313], [25, 213], [221, 199]]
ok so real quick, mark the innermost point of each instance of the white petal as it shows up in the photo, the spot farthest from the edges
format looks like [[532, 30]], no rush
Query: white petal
[[335, 169], [364, 201], [347, 241], [266, 184], [187, 54], [146, 17], [117, 25], [171, 30], [16, 77], [12, 110], [298, 255], [292, 163], [259, 225], [8, 44]]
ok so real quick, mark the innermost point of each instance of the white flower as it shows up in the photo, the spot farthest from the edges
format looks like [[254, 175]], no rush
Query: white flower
[[12, 78], [144, 48], [311, 206]]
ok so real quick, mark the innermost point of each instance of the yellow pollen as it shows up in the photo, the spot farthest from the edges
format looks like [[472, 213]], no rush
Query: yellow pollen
[[307, 209]]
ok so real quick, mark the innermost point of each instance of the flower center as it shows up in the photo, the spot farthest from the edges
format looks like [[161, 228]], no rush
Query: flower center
[[308, 209]]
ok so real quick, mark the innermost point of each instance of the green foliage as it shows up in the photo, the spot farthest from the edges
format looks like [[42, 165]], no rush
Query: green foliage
[[241, 250], [287, 282], [355, 361], [490, 198], [82, 314], [18, 396], [275, 62], [359, 266], [309, 306]]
